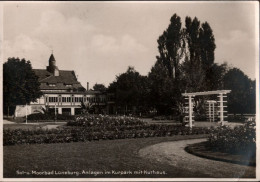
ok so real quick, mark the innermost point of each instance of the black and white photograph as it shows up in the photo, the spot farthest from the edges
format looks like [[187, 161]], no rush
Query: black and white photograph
[[128, 90]]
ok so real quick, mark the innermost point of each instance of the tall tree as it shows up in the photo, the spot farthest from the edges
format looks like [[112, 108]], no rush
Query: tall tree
[[171, 47], [20, 84], [194, 73], [200, 55], [207, 45]]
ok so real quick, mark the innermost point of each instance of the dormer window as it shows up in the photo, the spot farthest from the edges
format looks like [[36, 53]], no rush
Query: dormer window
[[68, 85], [52, 84]]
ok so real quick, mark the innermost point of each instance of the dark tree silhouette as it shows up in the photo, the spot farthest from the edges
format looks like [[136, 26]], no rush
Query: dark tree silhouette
[[20, 84], [242, 97]]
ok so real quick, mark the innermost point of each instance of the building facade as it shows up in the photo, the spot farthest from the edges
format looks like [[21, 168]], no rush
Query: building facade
[[64, 94]]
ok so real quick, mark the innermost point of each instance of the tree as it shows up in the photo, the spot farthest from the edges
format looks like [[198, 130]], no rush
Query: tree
[[99, 87], [130, 89], [165, 83], [242, 97], [207, 45], [161, 89], [171, 47], [200, 55], [216, 75], [20, 84]]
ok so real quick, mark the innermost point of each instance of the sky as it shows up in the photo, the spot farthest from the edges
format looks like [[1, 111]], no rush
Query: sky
[[99, 40]]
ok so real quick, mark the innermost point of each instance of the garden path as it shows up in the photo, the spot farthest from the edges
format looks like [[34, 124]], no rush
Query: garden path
[[8, 122], [173, 153]]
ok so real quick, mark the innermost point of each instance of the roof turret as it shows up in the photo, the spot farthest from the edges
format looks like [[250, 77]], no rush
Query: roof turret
[[52, 68], [52, 59]]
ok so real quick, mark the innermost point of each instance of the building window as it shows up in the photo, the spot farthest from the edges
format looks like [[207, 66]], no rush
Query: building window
[[53, 99], [68, 99], [68, 85], [63, 99], [52, 84], [78, 99]]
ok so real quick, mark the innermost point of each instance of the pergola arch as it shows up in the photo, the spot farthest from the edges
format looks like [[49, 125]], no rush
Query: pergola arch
[[221, 94]]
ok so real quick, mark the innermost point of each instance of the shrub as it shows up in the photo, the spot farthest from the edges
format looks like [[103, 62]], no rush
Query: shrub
[[200, 117], [241, 139]]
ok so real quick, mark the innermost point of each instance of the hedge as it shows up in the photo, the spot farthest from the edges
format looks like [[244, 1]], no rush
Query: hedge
[[76, 134], [40, 116]]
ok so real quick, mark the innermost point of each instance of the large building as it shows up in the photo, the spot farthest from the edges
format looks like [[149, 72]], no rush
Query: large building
[[63, 92]]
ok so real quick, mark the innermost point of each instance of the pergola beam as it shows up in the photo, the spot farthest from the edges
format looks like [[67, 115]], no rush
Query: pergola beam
[[206, 93]]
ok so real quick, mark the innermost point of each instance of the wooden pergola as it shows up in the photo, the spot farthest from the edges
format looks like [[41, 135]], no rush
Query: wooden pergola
[[221, 94]]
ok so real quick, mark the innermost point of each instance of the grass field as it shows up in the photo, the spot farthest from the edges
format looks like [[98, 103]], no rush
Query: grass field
[[95, 158], [200, 149], [29, 126]]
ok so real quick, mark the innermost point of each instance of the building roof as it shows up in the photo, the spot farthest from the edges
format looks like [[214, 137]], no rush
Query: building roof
[[65, 78]]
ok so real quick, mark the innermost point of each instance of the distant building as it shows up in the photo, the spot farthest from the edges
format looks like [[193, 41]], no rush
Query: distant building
[[62, 90]]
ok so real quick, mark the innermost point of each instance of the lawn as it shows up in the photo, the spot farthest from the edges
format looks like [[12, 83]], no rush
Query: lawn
[[105, 158], [30, 126], [201, 149]]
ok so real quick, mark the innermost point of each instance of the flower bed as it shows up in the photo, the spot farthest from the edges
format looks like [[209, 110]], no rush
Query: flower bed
[[97, 127], [105, 121], [241, 139]]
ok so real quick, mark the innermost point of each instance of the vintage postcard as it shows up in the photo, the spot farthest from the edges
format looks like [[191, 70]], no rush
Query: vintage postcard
[[129, 91]]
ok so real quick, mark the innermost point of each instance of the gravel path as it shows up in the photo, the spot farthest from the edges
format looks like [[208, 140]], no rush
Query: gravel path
[[173, 153], [8, 122]]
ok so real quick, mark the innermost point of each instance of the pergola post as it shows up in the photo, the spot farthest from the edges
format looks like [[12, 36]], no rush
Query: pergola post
[[221, 108], [209, 111], [190, 111], [221, 113]]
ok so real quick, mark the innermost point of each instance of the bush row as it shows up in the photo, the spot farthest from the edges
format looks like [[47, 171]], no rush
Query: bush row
[[75, 134], [40, 116], [241, 139]]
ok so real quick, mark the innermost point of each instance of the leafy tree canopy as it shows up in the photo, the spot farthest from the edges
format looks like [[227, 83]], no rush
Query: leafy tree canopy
[[99, 87], [20, 84], [130, 88], [242, 97]]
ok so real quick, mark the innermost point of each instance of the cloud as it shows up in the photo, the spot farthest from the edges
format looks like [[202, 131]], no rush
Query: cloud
[[25, 47], [237, 50], [95, 55]]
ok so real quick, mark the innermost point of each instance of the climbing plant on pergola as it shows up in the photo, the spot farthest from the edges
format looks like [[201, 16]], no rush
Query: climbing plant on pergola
[[221, 94]]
